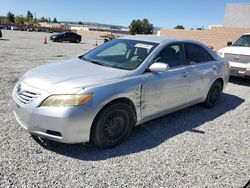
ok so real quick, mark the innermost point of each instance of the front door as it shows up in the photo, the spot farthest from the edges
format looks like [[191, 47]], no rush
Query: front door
[[166, 90]]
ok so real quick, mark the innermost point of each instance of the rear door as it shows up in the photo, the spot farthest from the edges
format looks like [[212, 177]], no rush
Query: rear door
[[73, 37], [67, 36], [202, 68]]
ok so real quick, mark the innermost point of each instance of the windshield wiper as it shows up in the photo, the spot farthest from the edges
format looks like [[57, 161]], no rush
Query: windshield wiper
[[238, 45], [102, 64], [99, 63]]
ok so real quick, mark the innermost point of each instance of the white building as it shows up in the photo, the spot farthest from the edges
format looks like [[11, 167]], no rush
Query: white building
[[237, 15]]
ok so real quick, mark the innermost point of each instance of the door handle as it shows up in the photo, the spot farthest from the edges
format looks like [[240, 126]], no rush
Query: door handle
[[184, 74]]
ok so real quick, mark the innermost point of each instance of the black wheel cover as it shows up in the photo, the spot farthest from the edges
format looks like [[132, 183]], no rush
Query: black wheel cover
[[112, 125], [214, 94], [115, 125]]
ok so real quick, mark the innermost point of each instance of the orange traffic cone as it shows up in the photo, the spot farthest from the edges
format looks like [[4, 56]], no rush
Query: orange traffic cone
[[45, 40]]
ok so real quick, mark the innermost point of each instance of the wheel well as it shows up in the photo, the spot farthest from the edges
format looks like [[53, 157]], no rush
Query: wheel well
[[221, 81], [118, 100]]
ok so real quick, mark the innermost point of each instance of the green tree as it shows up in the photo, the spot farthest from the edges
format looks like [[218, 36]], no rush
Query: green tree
[[200, 28], [11, 17], [43, 19], [29, 16], [135, 27], [147, 28], [54, 20], [3, 20], [179, 27], [19, 20], [141, 27]]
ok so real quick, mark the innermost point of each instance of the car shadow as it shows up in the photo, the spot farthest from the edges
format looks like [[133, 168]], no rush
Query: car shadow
[[151, 134], [240, 81]]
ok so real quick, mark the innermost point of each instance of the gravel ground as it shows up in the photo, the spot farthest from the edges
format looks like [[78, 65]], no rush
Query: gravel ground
[[195, 147]]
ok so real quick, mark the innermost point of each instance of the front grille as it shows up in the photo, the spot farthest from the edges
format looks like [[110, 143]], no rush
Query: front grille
[[237, 58], [26, 97]]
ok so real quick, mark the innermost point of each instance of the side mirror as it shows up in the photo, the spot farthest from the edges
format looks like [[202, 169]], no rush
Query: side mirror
[[159, 67], [229, 43]]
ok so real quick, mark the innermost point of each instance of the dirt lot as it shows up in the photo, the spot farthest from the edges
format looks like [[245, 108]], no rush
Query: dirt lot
[[195, 147]]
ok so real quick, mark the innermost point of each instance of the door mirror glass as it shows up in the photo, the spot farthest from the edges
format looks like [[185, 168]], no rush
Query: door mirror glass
[[229, 43], [159, 67]]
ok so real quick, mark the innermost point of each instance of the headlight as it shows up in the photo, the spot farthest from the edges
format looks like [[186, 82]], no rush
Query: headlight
[[66, 100], [221, 54]]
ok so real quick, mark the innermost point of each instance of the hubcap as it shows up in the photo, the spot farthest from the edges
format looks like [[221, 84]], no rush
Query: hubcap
[[115, 125], [215, 93]]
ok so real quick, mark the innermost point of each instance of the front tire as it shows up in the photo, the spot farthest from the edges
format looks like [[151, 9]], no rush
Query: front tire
[[112, 125], [213, 94]]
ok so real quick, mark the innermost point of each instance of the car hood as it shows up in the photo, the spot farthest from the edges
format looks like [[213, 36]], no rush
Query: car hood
[[236, 50], [70, 76]]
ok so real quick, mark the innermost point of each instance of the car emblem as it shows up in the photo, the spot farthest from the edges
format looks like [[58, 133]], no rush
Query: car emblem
[[19, 88], [237, 58]]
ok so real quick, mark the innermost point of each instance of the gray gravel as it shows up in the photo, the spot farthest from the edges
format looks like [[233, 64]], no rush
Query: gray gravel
[[195, 147]]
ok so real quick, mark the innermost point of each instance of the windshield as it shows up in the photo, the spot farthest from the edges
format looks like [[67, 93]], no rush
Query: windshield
[[243, 41], [121, 53]]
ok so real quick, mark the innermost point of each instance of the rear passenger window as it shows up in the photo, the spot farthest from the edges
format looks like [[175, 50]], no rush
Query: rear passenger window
[[196, 54]]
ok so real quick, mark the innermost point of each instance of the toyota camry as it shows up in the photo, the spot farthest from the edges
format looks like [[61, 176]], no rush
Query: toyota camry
[[101, 95]]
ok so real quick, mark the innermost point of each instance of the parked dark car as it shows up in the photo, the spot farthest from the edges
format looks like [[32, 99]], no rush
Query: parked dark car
[[66, 36], [0, 33]]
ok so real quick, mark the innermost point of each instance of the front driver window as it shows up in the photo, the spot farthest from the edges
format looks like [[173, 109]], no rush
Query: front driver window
[[171, 55]]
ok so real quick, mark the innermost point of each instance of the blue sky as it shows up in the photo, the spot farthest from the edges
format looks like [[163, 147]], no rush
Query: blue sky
[[162, 13]]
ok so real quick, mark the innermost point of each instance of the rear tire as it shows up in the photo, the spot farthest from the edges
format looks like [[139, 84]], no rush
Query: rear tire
[[112, 125], [213, 94]]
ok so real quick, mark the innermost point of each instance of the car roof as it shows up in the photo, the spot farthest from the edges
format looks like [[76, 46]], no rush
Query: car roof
[[148, 38], [157, 39], [66, 32]]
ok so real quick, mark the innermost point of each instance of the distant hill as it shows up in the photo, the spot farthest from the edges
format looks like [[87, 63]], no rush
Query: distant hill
[[94, 24]]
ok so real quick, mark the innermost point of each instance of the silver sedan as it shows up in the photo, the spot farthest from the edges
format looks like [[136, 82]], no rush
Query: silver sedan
[[101, 95]]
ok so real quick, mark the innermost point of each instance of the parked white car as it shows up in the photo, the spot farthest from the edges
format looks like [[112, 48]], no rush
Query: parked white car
[[238, 55]]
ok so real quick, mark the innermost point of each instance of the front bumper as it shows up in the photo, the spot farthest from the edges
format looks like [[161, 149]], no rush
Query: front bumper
[[62, 124], [239, 69]]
